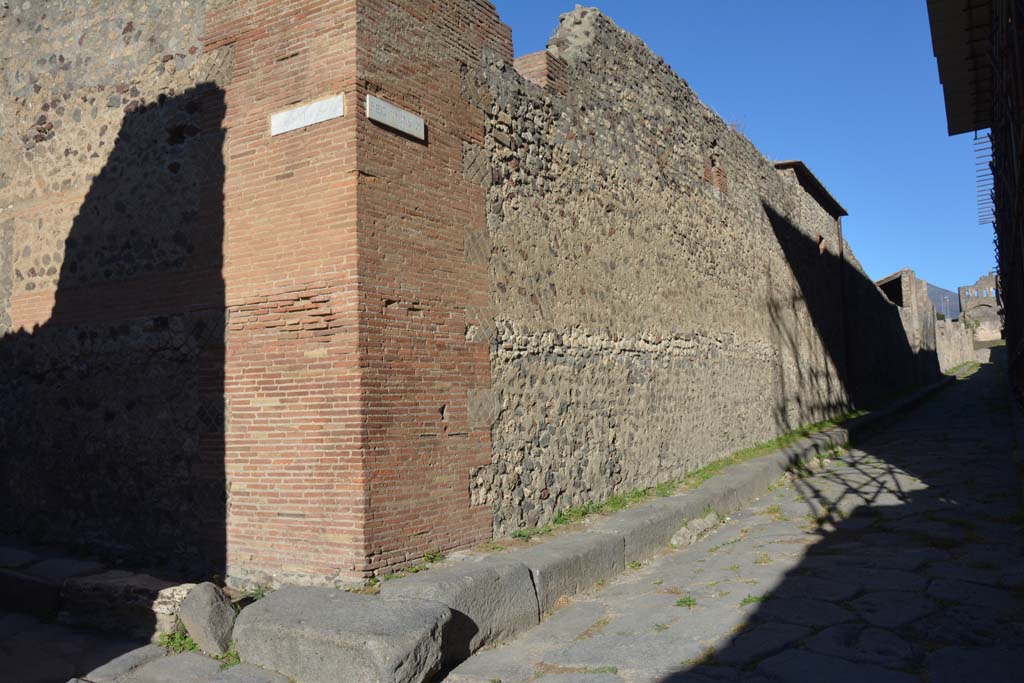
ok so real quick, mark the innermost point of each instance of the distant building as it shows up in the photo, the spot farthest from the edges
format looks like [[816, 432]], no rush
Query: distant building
[[981, 304], [978, 46]]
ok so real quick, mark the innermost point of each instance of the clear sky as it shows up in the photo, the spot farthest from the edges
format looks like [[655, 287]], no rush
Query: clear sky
[[851, 88]]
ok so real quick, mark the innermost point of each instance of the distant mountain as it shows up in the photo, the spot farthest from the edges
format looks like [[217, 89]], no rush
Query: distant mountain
[[945, 301]]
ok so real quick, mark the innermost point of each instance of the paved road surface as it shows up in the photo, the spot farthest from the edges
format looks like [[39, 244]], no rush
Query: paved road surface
[[900, 560]]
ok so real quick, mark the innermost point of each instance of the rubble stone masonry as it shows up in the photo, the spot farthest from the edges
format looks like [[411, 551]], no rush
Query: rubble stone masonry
[[319, 355], [661, 294]]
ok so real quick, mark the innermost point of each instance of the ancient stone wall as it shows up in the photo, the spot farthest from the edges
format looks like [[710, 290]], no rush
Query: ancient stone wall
[[954, 344], [111, 302], [179, 369], [980, 306], [917, 314], [661, 294], [316, 355]]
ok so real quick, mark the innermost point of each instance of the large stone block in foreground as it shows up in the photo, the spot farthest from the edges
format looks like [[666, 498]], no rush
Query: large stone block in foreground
[[491, 600], [572, 563], [208, 617], [323, 635]]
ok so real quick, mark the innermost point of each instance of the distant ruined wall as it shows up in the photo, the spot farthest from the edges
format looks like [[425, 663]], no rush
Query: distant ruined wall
[[980, 304], [661, 294], [954, 344], [950, 341]]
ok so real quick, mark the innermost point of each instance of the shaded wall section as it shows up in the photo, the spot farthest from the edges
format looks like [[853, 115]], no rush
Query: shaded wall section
[[112, 400]]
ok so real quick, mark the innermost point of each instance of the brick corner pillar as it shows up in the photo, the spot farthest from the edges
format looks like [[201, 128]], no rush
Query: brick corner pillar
[[293, 458], [357, 363], [424, 295]]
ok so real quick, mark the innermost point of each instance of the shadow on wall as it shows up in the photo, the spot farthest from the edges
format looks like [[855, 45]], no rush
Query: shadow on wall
[[112, 412], [913, 563], [859, 329]]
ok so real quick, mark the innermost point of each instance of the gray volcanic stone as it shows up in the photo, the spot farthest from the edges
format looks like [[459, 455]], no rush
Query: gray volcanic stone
[[30, 594], [829, 590], [892, 609], [125, 663], [491, 600], [645, 528], [693, 530], [209, 617], [192, 667], [759, 642], [871, 645], [800, 666], [995, 599], [803, 611], [325, 635], [989, 664], [572, 563]]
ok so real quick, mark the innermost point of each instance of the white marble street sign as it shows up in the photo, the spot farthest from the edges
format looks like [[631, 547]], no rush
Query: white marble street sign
[[307, 115], [393, 117]]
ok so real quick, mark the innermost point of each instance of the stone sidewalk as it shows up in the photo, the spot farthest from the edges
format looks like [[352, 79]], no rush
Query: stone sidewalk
[[901, 560]]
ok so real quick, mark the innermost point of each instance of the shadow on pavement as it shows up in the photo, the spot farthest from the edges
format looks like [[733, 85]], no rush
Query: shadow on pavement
[[918, 573]]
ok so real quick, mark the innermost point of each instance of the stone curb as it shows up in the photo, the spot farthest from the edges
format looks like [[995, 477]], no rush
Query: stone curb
[[491, 599]]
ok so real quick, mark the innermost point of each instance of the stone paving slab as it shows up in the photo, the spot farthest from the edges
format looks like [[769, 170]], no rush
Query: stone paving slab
[[124, 664], [895, 562], [190, 667], [322, 634], [492, 599]]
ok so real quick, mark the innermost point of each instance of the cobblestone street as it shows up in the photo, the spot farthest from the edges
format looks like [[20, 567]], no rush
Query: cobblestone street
[[899, 560]]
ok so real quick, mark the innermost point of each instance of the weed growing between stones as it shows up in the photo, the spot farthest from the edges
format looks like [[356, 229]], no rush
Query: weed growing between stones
[[622, 501], [751, 599], [687, 601], [528, 533], [258, 593], [708, 658], [695, 479], [594, 628], [965, 369], [229, 658], [177, 642], [428, 559], [372, 584]]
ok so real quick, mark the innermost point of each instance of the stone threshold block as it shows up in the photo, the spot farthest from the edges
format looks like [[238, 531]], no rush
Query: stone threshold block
[[191, 667], [570, 564], [491, 599], [645, 529], [324, 635]]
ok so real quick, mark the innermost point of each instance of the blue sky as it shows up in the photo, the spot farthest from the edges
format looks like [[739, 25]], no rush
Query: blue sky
[[851, 88]]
